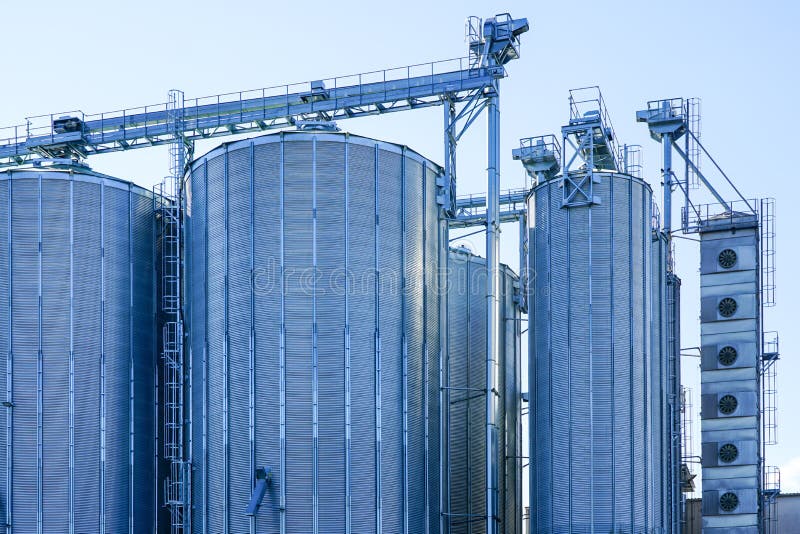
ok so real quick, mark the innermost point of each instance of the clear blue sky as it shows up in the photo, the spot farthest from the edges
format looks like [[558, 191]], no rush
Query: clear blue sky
[[738, 56]]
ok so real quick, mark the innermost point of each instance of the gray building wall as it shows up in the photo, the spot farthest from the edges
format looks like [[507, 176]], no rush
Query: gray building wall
[[730, 331], [787, 512]]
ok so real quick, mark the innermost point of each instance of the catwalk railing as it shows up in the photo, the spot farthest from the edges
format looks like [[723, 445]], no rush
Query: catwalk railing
[[77, 134]]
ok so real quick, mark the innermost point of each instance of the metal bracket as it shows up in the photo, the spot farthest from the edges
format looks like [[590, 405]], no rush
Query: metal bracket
[[577, 190], [263, 479]]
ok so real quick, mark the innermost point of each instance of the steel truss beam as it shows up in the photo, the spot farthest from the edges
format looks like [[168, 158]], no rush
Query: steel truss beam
[[254, 111]]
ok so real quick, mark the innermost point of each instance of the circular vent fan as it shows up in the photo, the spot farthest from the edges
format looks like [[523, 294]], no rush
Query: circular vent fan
[[728, 404], [728, 502], [727, 258], [727, 355], [728, 453], [727, 307]]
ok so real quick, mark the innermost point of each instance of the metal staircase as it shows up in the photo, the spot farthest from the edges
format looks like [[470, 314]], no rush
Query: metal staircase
[[169, 199]]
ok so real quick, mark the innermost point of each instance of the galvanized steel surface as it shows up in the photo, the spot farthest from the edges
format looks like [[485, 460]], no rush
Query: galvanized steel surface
[[589, 364], [77, 330], [730, 411], [665, 398], [315, 335], [466, 375]]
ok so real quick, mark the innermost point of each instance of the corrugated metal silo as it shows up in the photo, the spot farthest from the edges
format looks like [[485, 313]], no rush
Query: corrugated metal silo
[[466, 418], [589, 350], [77, 331], [315, 335], [659, 373], [665, 397]]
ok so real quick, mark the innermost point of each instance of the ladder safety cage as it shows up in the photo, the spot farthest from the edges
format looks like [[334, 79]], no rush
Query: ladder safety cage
[[767, 213], [769, 499], [630, 158], [691, 146]]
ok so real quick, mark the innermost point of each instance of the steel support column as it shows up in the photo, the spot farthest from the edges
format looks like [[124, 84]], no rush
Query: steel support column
[[666, 142], [492, 309]]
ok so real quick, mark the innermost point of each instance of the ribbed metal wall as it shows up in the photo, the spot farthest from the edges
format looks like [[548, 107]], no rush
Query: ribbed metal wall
[[466, 418], [589, 362], [730, 415], [77, 334], [315, 335], [665, 398], [659, 373], [675, 498]]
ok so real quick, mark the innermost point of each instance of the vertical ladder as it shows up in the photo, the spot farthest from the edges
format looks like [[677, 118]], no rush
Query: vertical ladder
[[771, 485], [770, 492], [770, 353], [172, 356], [692, 147], [767, 213]]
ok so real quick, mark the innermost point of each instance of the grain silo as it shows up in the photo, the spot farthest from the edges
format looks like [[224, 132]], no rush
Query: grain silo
[[659, 373], [465, 456], [314, 336], [77, 330], [589, 357]]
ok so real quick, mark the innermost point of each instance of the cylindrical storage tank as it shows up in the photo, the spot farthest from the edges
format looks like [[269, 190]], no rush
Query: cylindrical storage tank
[[676, 504], [314, 331], [659, 374], [465, 456], [78, 338], [589, 357]]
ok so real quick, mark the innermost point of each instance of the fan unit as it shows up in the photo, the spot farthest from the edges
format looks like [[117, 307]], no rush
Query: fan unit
[[727, 258], [727, 307], [728, 404], [728, 453], [727, 355], [728, 502]]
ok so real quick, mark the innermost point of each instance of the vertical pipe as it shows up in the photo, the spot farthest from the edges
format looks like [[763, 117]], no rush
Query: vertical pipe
[[492, 312], [403, 329], [131, 406], [226, 355], [570, 362], [612, 237], [39, 384], [647, 378], [102, 361], [347, 397], [282, 352], [314, 353], [523, 259], [533, 459], [71, 489], [444, 351], [10, 364], [444, 370], [252, 362], [590, 276], [666, 141], [425, 351], [205, 353], [631, 360], [378, 420], [468, 410]]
